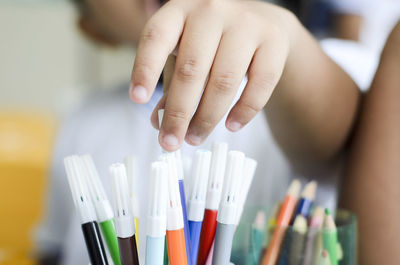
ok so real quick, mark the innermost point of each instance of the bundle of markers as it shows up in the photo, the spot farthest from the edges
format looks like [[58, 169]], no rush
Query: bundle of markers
[[296, 233], [201, 234]]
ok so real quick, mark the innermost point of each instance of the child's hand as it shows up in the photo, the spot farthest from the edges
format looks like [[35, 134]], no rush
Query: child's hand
[[218, 41]]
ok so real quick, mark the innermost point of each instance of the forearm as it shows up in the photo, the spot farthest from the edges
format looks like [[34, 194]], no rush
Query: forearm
[[371, 185], [313, 107]]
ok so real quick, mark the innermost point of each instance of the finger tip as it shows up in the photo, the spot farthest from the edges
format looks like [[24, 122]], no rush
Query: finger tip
[[138, 94], [193, 139], [169, 142], [233, 126]]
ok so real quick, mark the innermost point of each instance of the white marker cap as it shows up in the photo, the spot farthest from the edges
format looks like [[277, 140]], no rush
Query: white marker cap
[[174, 207], [216, 178], [249, 170], [124, 222], [158, 198], [80, 192], [133, 184], [200, 172], [99, 198], [227, 213]]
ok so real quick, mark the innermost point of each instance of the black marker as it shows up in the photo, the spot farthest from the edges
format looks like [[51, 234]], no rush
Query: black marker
[[80, 194]]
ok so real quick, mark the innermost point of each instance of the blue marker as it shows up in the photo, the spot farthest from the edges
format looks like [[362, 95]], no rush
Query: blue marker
[[179, 167], [197, 199]]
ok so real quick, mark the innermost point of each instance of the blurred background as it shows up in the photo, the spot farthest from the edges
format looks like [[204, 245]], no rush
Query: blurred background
[[48, 68]]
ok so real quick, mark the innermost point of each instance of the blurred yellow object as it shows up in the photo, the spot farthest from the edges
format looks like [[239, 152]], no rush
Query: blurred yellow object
[[26, 141]]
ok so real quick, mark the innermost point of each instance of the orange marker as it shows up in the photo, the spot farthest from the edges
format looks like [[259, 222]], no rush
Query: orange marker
[[176, 247], [175, 234], [284, 217]]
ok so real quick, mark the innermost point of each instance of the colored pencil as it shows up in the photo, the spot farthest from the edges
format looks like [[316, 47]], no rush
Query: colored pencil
[[197, 199], [298, 237], [124, 220], [80, 193], [214, 190], [314, 240], [175, 232], [157, 215], [306, 200], [284, 217], [329, 237], [227, 213], [257, 239], [324, 258]]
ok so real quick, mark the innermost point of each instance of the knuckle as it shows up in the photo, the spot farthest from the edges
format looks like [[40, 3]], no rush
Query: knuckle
[[187, 70], [153, 32], [206, 124], [177, 115], [265, 80], [250, 108], [225, 82], [143, 69]]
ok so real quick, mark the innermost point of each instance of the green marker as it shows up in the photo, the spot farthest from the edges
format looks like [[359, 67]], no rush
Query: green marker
[[103, 208], [329, 237]]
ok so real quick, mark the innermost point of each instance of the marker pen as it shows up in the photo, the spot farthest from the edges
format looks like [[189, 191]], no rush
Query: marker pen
[[197, 199], [179, 166], [175, 233], [157, 215], [180, 174], [214, 190], [102, 206], [124, 222], [80, 194], [228, 207], [131, 172], [285, 215], [306, 200], [249, 169]]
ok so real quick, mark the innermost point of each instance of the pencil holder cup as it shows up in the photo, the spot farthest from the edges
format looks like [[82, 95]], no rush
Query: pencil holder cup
[[296, 248]]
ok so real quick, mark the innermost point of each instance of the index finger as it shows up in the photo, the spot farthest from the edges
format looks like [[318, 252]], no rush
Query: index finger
[[159, 38]]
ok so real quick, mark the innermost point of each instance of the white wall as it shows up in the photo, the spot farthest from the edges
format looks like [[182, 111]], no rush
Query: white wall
[[46, 63]]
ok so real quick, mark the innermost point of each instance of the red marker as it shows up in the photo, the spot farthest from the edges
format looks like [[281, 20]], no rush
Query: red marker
[[216, 178]]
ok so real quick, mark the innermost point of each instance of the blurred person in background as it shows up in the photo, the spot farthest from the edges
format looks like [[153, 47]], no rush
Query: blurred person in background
[[371, 183], [110, 127]]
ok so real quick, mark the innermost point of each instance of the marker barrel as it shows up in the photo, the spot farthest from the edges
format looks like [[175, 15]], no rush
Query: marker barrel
[[208, 229], [108, 230], [128, 250], [195, 231], [223, 244], [155, 250], [94, 243], [176, 247], [185, 222]]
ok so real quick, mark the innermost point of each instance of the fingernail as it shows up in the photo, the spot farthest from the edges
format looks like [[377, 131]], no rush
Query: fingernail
[[194, 139], [170, 140], [234, 126], [139, 93]]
